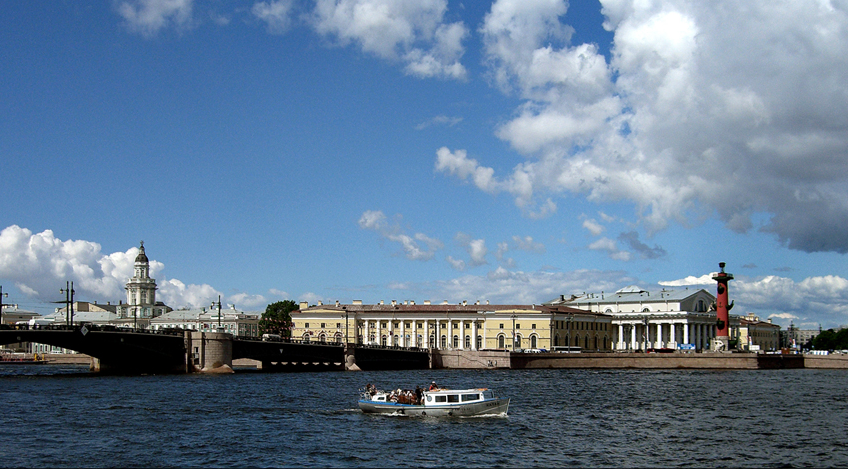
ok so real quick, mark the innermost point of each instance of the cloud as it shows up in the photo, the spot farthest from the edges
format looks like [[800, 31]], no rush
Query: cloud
[[476, 249], [275, 14], [439, 120], [822, 300], [416, 247], [681, 120], [40, 264], [527, 244], [611, 247], [631, 238], [456, 264], [594, 227], [411, 31], [147, 17]]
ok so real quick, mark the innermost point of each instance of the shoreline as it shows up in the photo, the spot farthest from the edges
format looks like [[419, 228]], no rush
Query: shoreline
[[459, 359]]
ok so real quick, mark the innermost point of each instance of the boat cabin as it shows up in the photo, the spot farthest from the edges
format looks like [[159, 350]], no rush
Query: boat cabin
[[456, 396]]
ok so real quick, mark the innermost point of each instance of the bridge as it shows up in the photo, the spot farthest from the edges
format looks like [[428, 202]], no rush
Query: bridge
[[128, 351]]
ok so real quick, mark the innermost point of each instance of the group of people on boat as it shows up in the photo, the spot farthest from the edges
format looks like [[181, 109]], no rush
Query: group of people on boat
[[403, 396]]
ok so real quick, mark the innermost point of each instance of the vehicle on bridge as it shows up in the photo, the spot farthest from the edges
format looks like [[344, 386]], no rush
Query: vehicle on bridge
[[438, 402]]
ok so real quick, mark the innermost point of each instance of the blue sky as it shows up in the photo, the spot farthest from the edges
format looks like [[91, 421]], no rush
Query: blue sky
[[510, 151]]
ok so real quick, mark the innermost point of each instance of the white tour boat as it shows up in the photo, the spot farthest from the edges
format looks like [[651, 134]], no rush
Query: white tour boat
[[438, 402]]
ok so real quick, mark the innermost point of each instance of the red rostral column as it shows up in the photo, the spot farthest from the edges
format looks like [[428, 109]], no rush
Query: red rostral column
[[722, 317]]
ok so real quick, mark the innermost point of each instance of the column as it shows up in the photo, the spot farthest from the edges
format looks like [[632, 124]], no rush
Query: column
[[474, 335], [462, 334], [633, 337], [402, 342], [672, 333], [426, 334], [659, 342], [686, 332], [367, 335], [620, 337]]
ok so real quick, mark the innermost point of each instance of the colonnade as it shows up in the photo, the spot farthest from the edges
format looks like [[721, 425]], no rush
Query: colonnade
[[642, 334], [429, 335]]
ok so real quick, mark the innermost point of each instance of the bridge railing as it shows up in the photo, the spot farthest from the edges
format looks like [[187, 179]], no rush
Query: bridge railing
[[90, 327]]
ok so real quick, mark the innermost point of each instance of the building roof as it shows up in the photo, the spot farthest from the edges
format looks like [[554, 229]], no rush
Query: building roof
[[411, 307], [629, 294]]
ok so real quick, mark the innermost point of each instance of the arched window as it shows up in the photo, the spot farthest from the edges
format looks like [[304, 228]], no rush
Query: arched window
[[383, 340], [456, 341], [501, 341], [444, 341], [533, 341], [479, 342], [468, 342]]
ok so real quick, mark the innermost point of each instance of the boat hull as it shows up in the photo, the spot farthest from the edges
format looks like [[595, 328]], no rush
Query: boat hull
[[498, 406]]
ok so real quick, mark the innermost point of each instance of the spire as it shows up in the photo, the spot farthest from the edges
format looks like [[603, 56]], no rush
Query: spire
[[141, 257]]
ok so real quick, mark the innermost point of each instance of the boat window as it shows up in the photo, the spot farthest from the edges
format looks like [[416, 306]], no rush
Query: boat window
[[453, 397], [429, 398], [441, 398], [470, 397], [488, 395]]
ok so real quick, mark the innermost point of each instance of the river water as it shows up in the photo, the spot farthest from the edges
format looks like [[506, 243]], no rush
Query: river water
[[64, 416]]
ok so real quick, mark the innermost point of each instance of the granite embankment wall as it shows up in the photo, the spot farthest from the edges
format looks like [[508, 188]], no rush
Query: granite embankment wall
[[491, 359], [707, 360]]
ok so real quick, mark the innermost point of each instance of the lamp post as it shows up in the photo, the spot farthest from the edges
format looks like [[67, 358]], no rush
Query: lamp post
[[2, 295], [513, 332], [69, 302], [220, 328]]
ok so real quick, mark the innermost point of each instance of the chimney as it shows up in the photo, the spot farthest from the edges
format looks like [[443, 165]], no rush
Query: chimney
[[426, 302], [357, 302], [320, 303], [381, 302], [394, 302], [304, 304]]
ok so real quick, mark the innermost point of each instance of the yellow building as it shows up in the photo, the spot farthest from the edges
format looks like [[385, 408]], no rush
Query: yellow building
[[756, 335], [463, 326]]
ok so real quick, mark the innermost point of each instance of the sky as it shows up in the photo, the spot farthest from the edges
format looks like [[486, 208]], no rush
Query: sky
[[342, 150]]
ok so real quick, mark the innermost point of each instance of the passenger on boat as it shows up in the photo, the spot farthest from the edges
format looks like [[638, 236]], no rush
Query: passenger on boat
[[433, 386], [418, 395]]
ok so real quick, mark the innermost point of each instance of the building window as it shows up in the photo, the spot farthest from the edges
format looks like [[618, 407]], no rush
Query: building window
[[306, 326], [322, 325], [501, 325], [532, 326]]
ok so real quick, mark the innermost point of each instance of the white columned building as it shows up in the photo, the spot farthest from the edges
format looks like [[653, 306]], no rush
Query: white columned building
[[642, 319]]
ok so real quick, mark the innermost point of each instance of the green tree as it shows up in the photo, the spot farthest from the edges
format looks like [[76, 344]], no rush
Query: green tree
[[277, 318]]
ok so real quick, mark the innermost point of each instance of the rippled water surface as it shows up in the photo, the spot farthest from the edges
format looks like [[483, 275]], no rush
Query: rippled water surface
[[63, 416]]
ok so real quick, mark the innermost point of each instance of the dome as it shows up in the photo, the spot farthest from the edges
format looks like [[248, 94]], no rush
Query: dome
[[141, 257]]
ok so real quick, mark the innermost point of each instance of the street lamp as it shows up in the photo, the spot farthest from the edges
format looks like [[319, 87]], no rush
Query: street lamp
[[220, 328], [69, 303], [513, 332], [2, 295]]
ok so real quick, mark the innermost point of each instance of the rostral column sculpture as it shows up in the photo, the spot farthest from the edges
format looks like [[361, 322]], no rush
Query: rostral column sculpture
[[722, 340]]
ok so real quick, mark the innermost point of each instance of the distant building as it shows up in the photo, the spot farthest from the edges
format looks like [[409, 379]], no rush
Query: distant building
[[462, 326], [677, 319], [141, 305], [756, 335], [231, 321], [796, 338]]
